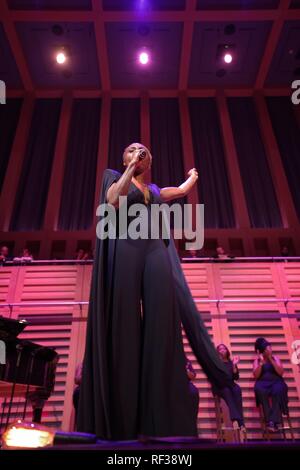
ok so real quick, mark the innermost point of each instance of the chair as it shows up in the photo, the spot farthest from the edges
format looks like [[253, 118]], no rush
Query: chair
[[226, 430], [283, 428]]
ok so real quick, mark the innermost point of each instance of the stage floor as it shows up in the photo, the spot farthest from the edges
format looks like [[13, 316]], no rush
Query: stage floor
[[174, 444]]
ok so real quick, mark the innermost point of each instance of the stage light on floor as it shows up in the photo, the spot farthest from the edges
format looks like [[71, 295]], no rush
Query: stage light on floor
[[21, 435]]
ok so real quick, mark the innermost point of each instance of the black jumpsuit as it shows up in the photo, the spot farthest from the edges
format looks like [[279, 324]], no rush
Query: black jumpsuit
[[150, 388], [271, 385], [134, 379], [232, 395]]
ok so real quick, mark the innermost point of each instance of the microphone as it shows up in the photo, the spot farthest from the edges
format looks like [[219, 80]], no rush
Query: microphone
[[142, 154]]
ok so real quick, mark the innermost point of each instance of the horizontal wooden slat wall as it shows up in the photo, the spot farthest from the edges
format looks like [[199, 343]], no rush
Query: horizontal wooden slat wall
[[238, 302], [51, 325]]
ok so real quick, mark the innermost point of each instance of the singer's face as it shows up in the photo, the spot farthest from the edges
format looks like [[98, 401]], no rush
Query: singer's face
[[131, 151]]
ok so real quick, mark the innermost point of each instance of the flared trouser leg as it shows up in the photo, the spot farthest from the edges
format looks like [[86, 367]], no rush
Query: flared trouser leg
[[148, 381], [165, 404], [125, 339], [233, 399]]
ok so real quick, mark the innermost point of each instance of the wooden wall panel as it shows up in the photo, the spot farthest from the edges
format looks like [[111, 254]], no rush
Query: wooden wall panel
[[46, 297]]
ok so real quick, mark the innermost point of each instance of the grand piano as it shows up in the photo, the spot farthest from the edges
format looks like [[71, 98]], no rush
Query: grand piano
[[28, 371]]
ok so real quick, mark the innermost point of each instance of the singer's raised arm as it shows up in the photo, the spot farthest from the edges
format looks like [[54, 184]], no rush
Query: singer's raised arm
[[174, 192], [120, 188]]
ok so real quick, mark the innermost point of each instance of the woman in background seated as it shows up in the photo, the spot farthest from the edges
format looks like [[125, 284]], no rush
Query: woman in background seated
[[231, 395], [268, 371]]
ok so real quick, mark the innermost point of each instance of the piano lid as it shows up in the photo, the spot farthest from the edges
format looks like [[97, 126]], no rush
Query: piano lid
[[10, 329]]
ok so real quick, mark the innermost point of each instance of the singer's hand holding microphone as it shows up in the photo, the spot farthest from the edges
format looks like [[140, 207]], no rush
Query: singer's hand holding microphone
[[138, 156], [142, 154]]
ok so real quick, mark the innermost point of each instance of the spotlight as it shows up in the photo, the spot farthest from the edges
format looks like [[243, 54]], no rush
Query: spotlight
[[225, 53], [142, 4], [61, 57], [21, 435], [228, 58], [143, 58]]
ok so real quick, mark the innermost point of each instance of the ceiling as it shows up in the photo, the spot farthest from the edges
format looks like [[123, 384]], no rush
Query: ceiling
[[183, 37]]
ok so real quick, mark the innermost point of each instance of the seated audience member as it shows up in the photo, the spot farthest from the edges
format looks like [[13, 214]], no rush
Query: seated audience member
[[269, 385], [192, 253], [194, 393], [79, 254], [25, 257], [231, 395], [221, 254], [285, 252], [88, 255], [84, 255], [4, 254]]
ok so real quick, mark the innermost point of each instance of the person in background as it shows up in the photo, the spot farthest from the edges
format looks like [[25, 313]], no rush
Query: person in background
[[79, 254], [192, 253], [83, 255], [77, 382], [221, 254], [231, 395], [194, 393], [285, 251], [4, 254], [25, 257], [88, 255], [269, 385]]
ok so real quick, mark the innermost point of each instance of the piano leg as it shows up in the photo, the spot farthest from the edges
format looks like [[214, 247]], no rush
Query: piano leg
[[19, 349], [37, 400], [3, 404], [37, 415]]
